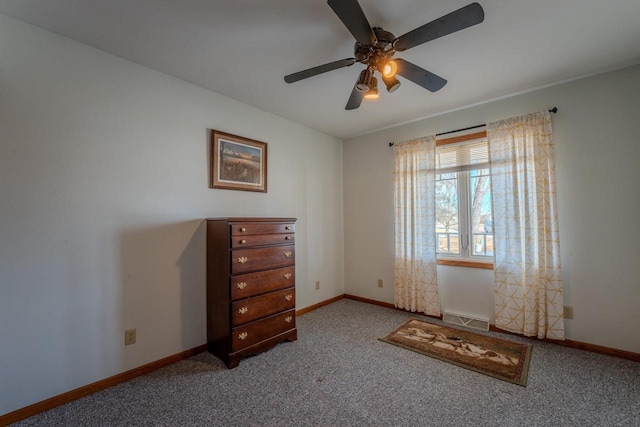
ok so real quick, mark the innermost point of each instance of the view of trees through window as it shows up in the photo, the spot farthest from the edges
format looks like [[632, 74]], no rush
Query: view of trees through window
[[481, 219], [447, 218]]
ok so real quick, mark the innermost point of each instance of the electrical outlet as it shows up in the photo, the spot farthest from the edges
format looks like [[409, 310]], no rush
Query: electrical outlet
[[568, 312], [317, 284], [129, 336], [379, 283]]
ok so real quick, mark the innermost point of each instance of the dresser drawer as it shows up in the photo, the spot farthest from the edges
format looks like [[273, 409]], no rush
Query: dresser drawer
[[247, 260], [252, 284], [250, 309], [250, 228], [254, 332], [261, 240]]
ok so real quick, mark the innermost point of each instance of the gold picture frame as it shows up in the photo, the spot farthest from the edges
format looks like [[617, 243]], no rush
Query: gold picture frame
[[238, 163]]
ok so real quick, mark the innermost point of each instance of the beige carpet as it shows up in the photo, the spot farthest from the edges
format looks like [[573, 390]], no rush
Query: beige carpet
[[339, 373], [502, 359]]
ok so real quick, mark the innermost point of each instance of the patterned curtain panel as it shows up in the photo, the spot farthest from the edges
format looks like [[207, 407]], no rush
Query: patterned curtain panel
[[415, 285], [528, 284]]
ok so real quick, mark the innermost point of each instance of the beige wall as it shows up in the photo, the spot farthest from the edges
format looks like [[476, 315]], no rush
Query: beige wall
[[597, 136], [103, 190]]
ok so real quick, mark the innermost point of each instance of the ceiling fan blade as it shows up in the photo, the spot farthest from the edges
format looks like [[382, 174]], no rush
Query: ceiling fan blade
[[420, 76], [352, 16], [355, 99], [304, 74], [455, 21]]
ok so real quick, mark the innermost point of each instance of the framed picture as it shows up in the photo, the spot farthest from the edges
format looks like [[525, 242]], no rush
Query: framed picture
[[238, 163]]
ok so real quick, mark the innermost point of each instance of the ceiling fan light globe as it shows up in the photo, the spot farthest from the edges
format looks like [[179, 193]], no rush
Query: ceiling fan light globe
[[372, 93], [393, 88], [391, 83], [389, 68], [364, 81]]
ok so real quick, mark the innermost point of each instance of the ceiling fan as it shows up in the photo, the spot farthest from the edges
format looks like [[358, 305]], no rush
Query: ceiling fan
[[375, 48]]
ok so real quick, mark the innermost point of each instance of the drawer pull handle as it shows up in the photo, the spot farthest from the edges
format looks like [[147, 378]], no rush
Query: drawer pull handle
[[243, 229], [287, 276], [243, 336], [241, 285], [287, 254], [287, 228], [243, 310], [287, 238], [288, 297], [288, 319], [243, 259], [242, 242]]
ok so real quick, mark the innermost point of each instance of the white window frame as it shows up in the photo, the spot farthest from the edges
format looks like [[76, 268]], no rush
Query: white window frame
[[465, 258]]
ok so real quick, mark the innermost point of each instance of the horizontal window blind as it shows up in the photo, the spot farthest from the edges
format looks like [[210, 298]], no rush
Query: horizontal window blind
[[462, 156]]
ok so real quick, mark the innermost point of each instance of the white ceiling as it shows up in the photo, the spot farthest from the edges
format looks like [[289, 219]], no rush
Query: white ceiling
[[244, 48]]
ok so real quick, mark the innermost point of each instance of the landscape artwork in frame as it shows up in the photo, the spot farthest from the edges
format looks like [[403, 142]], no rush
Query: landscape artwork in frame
[[238, 163]]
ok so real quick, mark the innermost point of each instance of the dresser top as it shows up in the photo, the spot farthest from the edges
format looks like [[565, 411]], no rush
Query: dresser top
[[253, 219]]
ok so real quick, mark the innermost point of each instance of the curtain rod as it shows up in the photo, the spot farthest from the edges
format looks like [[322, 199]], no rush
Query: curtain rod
[[553, 110]]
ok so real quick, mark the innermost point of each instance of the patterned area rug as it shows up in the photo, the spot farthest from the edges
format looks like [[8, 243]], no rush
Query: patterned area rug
[[505, 360]]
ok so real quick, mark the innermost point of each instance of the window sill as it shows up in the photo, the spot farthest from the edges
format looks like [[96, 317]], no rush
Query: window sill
[[465, 263]]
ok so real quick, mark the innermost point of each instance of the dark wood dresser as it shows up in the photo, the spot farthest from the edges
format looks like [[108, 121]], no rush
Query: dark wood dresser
[[251, 296]]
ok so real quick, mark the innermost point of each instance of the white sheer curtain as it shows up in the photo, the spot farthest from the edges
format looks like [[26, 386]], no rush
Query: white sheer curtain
[[415, 278], [528, 284]]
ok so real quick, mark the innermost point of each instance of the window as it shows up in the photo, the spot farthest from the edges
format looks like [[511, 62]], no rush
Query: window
[[464, 225]]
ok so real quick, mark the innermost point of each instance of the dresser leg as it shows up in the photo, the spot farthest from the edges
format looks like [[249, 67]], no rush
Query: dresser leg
[[293, 337], [233, 362]]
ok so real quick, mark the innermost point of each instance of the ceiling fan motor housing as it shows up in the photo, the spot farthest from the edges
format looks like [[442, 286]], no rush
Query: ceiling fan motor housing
[[385, 38], [374, 56]]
